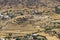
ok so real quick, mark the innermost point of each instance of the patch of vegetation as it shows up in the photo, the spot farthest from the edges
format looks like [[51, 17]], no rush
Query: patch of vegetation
[[57, 9], [21, 20]]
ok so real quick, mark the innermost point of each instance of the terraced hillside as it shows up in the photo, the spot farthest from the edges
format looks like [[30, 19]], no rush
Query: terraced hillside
[[22, 17]]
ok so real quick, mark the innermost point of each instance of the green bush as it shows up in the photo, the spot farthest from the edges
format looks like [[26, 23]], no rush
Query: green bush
[[57, 9]]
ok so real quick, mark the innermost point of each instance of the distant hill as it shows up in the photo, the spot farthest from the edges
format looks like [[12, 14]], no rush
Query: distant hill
[[28, 3]]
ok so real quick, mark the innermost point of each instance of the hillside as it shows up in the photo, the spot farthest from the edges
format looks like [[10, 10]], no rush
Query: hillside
[[25, 17]]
